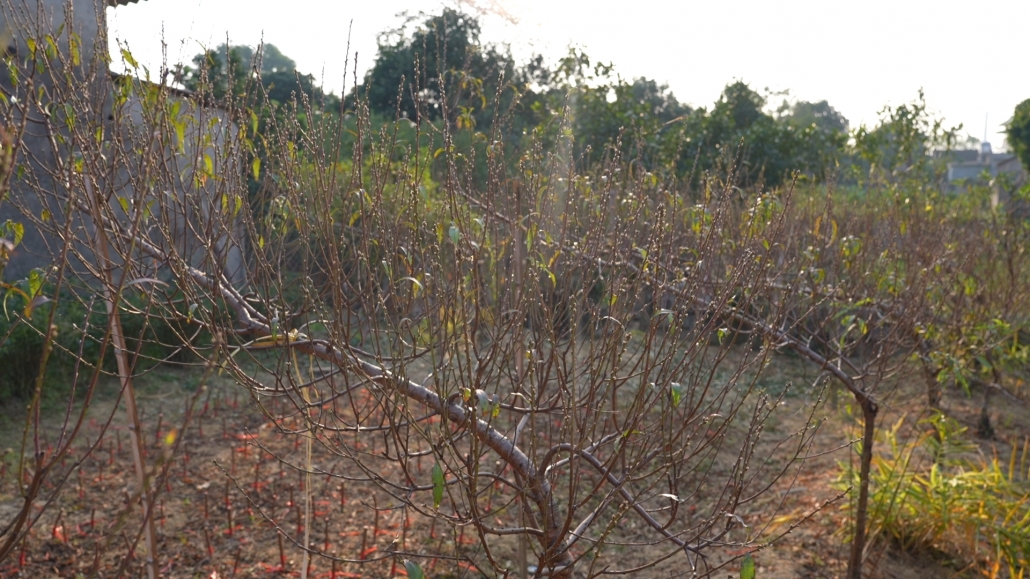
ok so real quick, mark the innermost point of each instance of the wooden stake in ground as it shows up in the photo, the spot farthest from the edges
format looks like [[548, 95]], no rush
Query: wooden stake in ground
[[135, 427], [306, 556]]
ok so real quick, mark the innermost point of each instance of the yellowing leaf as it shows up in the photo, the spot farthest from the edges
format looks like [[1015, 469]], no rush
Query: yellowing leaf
[[129, 60], [73, 48]]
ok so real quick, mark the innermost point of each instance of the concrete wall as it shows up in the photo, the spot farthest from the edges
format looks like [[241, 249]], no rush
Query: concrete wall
[[171, 179]]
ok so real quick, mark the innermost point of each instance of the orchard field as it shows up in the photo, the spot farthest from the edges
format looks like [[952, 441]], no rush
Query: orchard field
[[499, 319]]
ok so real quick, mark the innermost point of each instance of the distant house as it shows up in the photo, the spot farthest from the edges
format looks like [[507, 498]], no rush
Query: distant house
[[971, 164], [1003, 171]]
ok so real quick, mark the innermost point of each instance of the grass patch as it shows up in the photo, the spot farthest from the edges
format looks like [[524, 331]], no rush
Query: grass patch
[[928, 496]]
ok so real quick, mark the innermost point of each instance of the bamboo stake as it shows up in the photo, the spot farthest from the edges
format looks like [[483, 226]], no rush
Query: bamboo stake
[[306, 556], [131, 410]]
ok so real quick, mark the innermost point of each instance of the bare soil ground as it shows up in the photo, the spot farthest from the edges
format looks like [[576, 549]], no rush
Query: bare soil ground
[[209, 528]]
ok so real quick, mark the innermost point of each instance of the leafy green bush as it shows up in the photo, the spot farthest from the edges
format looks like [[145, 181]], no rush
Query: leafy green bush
[[923, 496], [20, 349], [22, 342]]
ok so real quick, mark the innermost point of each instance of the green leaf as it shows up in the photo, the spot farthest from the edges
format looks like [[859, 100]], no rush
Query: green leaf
[[255, 168], [33, 299], [414, 282], [413, 569], [17, 229], [550, 274], [676, 391], [747, 567], [73, 47], [127, 56], [11, 290], [51, 47], [35, 282], [78, 162], [180, 134], [437, 485]]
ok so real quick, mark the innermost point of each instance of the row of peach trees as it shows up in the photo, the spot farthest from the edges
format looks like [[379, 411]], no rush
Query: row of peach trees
[[585, 343]]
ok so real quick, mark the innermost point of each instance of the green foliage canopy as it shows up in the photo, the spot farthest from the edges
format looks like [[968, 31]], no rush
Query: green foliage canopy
[[434, 67], [900, 147], [420, 64], [226, 70], [1018, 132]]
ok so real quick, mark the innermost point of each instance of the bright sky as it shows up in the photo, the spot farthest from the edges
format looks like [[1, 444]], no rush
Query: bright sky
[[858, 55]]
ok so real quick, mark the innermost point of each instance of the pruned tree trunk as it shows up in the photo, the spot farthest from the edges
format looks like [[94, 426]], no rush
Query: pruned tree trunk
[[984, 428], [858, 541]]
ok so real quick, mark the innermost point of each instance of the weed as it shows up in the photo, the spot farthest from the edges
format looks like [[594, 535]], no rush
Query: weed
[[926, 495]]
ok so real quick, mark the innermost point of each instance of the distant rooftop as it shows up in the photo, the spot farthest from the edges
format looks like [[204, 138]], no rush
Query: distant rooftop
[[958, 155], [970, 164]]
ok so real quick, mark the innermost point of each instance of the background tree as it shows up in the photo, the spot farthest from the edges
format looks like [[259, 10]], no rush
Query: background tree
[[219, 72], [900, 147], [226, 70], [633, 113], [821, 114], [428, 58], [1017, 132], [738, 132], [822, 135]]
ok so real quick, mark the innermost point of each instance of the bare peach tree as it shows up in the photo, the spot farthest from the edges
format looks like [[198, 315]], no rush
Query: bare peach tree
[[892, 291], [511, 335], [79, 152], [852, 312]]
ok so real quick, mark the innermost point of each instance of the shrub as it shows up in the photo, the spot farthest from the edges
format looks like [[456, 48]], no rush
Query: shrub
[[22, 340], [926, 496], [21, 346]]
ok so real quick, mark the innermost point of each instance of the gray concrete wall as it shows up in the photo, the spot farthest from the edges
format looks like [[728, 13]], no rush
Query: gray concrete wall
[[170, 178]]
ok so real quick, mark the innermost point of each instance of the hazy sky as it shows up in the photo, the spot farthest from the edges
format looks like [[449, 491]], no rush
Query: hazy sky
[[971, 58]]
